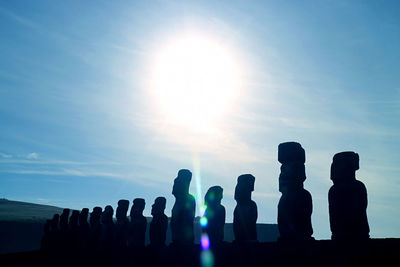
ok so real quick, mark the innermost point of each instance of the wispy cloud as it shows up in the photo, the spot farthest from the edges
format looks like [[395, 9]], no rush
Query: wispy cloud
[[32, 155], [54, 162], [4, 155], [67, 172]]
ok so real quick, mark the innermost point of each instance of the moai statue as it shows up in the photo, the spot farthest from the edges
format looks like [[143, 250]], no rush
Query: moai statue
[[84, 229], [64, 220], [121, 227], [295, 204], [138, 225], [183, 210], [73, 221], [54, 223], [44, 244], [64, 235], [74, 229], [107, 216], [245, 213], [347, 199], [95, 228], [215, 214], [54, 235], [95, 218], [83, 220], [108, 229], [159, 223]]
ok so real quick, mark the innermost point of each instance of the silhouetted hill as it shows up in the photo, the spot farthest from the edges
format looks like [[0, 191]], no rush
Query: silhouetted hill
[[21, 226], [24, 211]]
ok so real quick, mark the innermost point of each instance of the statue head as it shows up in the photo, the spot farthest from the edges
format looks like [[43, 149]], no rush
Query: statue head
[[159, 206], [244, 187], [64, 219], [84, 214], [95, 215], [73, 220], [107, 214], [213, 196], [137, 207], [122, 209], [344, 166], [182, 183]]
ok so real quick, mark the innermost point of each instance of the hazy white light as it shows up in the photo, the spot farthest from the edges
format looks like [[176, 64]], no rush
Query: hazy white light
[[195, 80]]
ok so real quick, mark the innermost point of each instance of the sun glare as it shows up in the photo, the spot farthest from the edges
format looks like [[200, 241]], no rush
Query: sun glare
[[195, 81]]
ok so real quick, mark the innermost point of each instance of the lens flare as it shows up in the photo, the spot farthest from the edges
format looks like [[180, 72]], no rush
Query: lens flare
[[207, 258], [203, 221], [202, 210], [205, 242]]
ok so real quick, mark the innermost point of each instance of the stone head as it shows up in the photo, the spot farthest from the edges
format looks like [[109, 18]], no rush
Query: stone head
[[74, 217], [122, 209], [159, 206], [182, 183], [344, 166], [107, 214], [64, 218], [83, 216], [213, 196], [138, 206], [95, 215], [244, 187]]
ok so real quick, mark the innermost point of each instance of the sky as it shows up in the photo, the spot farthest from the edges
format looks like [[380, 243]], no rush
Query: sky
[[82, 124]]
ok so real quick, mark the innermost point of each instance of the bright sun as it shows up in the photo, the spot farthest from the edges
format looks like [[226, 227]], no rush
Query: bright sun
[[195, 81]]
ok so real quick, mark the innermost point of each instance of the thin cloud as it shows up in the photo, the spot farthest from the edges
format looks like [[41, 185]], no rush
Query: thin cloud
[[32, 155], [5, 156], [54, 162]]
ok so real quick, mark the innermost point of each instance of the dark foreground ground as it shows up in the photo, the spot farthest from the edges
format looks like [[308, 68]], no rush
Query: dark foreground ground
[[374, 252]]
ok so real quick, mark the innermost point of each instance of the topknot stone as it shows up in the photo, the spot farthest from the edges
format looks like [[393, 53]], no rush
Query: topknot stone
[[291, 152]]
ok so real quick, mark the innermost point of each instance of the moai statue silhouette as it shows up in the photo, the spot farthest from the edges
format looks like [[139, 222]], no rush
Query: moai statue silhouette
[[95, 218], [64, 235], [215, 214], [138, 225], [64, 220], [73, 221], [74, 229], [245, 213], [121, 227], [108, 229], [347, 199], [54, 223], [83, 220], [54, 235], [84, 229], [95, 228], [183, 210], [159, 223], [295, 204], [44, 244]]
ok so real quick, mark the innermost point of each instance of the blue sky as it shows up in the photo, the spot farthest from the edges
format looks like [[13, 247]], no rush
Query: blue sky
[[79, 127]]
